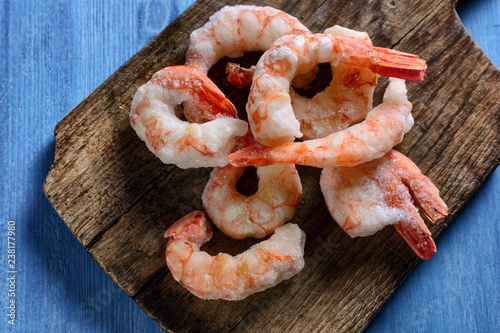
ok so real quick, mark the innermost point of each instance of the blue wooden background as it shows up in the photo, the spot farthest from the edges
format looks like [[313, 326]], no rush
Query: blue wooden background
[[53, 53]]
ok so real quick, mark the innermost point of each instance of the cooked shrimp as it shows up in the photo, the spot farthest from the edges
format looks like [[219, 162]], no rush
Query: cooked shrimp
[[365, 198], [345, 101], [262, 266], [269, 108], [153, 116], [237, 29], [258, 215], [382, 129]]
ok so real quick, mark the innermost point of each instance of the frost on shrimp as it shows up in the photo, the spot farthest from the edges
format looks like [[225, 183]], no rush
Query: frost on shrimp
[[237, 29], [270, 113], [223, 276], [365, 198], [383, 128], [258, 215], [153, 116]]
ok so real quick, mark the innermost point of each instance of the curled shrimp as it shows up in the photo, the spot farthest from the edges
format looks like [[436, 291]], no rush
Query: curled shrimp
[[230, 32], [383, 128], [223, 276], [345, 101], [258, 215], [269, 108], [153, 116], [365, 198], [237, 29]]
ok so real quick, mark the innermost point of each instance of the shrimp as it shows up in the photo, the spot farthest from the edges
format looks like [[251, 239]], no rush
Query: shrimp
[[259, 214], [365, 198], [383, 128], [345, 101], [269, 108], [237, 29], [223, 276], [172, 140], [232, 31]]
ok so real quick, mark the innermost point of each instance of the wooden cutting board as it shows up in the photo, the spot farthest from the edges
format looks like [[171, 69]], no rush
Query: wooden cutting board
[[117, 198]]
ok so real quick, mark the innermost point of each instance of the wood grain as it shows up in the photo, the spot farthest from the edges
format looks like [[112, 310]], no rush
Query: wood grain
[[117, 198]]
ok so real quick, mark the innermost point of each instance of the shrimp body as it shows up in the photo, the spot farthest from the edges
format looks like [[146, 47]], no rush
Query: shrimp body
[[365, 198], [383, 128], [153, 116], [237, 29], [227, 277], [258, 215], [270, 113]]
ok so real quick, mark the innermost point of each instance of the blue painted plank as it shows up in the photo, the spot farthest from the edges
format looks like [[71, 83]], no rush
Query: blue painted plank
[[52, 55]]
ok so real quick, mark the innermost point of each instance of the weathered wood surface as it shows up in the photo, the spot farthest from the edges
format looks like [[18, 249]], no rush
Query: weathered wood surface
[[117, 198]]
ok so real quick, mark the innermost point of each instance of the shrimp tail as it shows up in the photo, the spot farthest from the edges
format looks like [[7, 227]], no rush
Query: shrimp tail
[[418, 237], [426, 196], [239, 76], [392, 63], [212, 100], [422, 190], [193, 227], [412, 228]]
